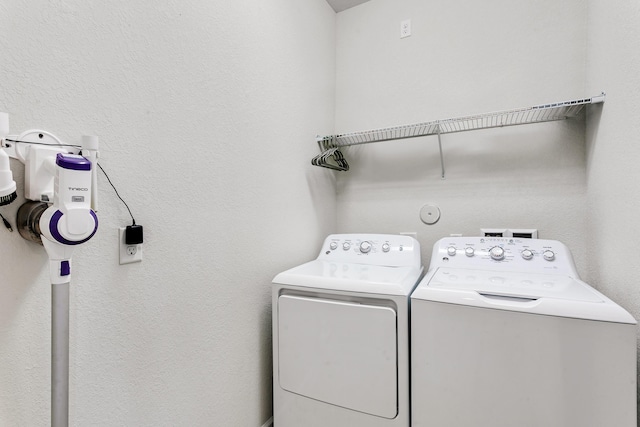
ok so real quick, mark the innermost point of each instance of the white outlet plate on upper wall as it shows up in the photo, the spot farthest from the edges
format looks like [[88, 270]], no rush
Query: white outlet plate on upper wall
[[405, 28]]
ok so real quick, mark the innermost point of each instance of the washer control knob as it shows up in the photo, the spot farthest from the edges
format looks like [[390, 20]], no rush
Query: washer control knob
[[451, 250], [496, 253], [346, 246], [527, 254], [386, 247], [365, 247], [549, 255], [469, 251], [333, 246]]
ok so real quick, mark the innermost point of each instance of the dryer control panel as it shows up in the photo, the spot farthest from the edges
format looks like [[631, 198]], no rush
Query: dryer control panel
[[504, 254], [388, 250]]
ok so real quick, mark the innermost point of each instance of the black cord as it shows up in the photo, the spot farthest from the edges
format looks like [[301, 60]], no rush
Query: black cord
[[114, 189], [41, 143], [6, 223]]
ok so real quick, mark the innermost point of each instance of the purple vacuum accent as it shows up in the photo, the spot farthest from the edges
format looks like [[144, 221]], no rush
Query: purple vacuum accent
[[77, 163], [65, 268], [53, 228]]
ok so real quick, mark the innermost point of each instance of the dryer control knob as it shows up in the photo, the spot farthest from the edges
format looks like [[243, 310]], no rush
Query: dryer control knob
[[549, 255], [386, 247], [451, 250], [527, 254], [346, 246], [365, 247], [496, 253], [469, 251], [333, 246]]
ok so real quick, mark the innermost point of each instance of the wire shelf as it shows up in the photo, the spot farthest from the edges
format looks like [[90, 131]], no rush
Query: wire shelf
[[520, 116]]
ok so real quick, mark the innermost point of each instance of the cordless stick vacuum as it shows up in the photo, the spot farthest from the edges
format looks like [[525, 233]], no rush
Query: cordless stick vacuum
[[60, 192]]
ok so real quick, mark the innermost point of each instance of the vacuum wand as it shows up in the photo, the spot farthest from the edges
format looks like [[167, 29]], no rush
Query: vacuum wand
[[60, 355]]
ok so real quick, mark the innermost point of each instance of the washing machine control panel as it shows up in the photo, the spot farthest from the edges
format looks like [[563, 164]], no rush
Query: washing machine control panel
[[374, 249], [503, 253]]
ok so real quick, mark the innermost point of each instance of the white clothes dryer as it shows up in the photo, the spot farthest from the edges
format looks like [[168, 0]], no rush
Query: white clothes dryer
[[341, 334], [504, 333]]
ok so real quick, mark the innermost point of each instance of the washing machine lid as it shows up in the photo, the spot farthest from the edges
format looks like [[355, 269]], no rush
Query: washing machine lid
[[549, 294], [340, 276]]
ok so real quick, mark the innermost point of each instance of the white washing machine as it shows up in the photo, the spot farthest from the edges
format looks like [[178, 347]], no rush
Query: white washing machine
[[341, 334], [505, 334]]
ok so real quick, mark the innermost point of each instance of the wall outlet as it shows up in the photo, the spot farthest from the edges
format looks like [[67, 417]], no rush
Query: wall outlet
[[405, 28], [128, 253]]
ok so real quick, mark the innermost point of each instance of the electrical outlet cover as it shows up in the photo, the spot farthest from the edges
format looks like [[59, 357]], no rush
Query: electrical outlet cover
[[128, 253], [405, 28]]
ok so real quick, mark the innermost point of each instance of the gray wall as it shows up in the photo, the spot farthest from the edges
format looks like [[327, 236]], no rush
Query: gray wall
[[206, 113]]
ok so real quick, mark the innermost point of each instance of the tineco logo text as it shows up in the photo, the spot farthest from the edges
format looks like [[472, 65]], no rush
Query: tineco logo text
[[78, 189]]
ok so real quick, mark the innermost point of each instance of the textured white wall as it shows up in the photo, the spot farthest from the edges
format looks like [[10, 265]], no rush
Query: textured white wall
[[613, 137], [206, 113], [463, 58]]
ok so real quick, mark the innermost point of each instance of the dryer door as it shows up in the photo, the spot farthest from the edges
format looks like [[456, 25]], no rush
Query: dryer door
[[341, 353]]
